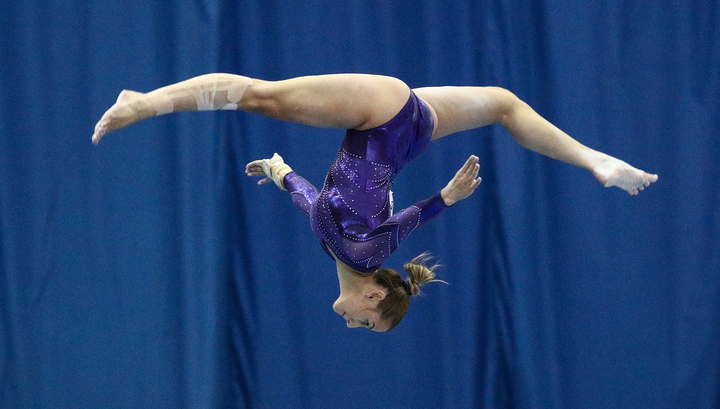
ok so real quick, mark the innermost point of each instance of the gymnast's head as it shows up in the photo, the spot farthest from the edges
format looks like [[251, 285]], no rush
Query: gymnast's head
[[382, 302]]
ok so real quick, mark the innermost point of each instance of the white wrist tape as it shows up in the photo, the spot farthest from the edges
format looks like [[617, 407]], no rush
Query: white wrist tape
[[278, 174], [274, 170]]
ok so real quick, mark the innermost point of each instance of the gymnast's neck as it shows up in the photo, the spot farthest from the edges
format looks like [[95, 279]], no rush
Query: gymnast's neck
[[349, 279]]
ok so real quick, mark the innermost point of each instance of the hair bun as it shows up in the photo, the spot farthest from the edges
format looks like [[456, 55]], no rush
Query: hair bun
[[413, 288], [419, 273]]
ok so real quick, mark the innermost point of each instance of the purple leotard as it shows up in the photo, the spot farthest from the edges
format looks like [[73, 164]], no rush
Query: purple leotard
[[351, 215]]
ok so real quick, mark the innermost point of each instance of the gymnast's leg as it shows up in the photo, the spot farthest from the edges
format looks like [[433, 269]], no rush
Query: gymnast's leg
[[347, 101], [462, 108]]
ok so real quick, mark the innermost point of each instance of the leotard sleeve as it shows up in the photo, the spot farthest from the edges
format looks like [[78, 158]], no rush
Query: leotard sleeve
[[370, 250], [303, 193], [410, 218]]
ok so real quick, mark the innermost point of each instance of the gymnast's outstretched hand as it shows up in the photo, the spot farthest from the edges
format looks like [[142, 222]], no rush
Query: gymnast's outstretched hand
[[274, 169], [464, 183]]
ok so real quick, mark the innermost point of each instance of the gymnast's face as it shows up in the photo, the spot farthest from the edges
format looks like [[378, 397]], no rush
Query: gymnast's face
[[359, 310]]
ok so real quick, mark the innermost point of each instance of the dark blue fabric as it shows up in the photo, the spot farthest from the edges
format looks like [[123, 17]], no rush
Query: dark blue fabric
[[150, 272]]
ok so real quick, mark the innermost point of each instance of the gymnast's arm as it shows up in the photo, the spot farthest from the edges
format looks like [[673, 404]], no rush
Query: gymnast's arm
[[303, 193], [462, 185], [274, 169]]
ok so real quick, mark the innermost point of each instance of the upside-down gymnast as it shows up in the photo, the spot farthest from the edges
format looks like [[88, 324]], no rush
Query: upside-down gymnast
[[388, 125]]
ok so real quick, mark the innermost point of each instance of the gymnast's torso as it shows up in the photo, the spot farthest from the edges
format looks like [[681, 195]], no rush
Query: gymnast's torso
[[352, 215]]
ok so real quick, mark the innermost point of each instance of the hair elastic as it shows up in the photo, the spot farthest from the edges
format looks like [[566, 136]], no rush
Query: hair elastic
[[407, 286]]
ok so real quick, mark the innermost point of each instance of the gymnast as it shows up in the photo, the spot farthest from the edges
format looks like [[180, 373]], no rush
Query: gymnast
[[388, 125]]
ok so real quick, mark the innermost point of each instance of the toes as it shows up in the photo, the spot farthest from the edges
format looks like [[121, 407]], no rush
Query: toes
[[100, 129]]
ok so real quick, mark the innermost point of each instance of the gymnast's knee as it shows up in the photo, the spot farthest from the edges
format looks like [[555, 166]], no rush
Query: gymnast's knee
[[260, 98], [506, 105]]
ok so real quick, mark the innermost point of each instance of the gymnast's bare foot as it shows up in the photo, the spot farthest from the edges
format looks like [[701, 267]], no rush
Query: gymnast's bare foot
[[129, 108], [614, 172]]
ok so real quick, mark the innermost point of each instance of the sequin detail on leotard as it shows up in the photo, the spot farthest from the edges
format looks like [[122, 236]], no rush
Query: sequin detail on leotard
[[351, 214]]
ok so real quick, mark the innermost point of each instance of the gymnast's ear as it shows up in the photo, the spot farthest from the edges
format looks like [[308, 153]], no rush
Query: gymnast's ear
[[375, 295]]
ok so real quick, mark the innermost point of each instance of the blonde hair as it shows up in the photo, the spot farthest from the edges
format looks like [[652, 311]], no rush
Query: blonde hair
[[397, 300]]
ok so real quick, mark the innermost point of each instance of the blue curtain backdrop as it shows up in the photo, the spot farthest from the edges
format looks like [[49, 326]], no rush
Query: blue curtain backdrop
[[149, 272]]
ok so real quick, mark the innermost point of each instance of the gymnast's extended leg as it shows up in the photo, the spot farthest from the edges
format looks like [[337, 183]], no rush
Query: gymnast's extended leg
[[462, 108], [347, 101]]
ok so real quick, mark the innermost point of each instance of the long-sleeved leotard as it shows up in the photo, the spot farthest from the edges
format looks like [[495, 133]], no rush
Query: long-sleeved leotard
[[351, 215]]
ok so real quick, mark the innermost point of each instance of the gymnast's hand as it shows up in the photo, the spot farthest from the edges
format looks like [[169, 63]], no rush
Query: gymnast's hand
[[465, 182], [274, 169]]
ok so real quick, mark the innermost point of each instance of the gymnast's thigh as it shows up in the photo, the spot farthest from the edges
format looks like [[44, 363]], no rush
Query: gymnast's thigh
[[348, 101], [458, 109]]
